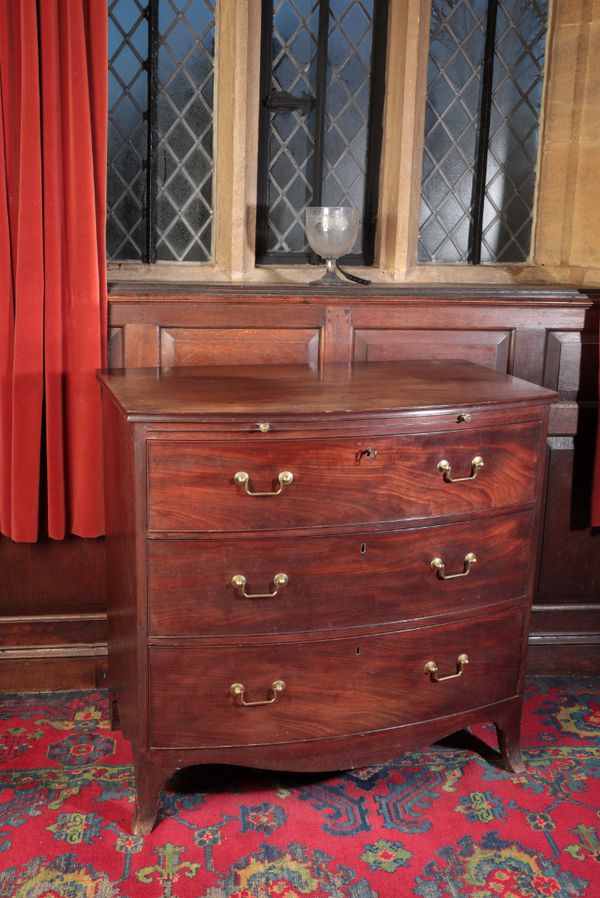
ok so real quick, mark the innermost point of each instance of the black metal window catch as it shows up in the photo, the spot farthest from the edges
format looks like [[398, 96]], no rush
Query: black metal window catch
[[283, 101]]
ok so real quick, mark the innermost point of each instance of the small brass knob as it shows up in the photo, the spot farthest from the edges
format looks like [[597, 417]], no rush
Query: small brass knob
[[241, 478], [264, 427]]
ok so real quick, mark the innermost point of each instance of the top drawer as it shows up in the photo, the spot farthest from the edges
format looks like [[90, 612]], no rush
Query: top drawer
[[192, 484]]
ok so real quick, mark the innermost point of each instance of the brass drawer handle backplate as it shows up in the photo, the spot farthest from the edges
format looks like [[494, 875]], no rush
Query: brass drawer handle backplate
[[239, 583], [445, 468], [238, 690], [284, 478], [438, 565], [431, 668]]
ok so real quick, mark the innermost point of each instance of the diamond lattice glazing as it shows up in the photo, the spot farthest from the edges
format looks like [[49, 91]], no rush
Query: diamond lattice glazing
[[347, 107], [513, 145], [291, 136], [127, 133], [292, 166], [453, 116], [185, 130], [457, 43], [177, 197]]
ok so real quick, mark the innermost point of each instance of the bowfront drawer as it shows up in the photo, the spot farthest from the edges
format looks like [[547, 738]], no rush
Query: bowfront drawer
[[276, 484], [285, 585], [322, 689]]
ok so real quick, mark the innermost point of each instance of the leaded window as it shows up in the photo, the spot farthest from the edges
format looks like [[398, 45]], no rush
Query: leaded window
[[160, 130], [322, 85], [486, 65]]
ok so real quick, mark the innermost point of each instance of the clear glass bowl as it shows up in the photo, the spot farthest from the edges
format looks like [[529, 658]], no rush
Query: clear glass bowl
[[331, 232]]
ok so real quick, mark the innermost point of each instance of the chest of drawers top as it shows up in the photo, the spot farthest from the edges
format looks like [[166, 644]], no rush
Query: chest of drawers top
[[250, 395]]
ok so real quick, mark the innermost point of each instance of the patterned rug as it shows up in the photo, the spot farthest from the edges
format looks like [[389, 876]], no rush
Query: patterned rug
[[438, 823]]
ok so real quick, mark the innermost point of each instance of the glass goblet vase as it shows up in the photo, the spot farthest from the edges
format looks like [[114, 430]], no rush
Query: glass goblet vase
[[331, 232]]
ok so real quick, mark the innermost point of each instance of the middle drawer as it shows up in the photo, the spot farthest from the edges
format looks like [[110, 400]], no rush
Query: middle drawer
[[333, 581]]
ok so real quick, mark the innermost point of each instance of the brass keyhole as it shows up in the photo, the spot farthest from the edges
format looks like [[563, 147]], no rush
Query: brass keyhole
[[369, 453]]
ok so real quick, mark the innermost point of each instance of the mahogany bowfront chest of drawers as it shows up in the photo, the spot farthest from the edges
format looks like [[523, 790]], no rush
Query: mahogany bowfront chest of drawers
[[316, 570]]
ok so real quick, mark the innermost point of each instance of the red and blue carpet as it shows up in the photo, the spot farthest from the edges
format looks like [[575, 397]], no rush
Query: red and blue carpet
[[439, 823]]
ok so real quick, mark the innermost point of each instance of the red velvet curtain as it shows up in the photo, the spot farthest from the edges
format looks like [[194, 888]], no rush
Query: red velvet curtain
[[53, 123]]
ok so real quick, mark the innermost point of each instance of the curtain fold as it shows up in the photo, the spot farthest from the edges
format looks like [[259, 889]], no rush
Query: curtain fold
[[53, 105]]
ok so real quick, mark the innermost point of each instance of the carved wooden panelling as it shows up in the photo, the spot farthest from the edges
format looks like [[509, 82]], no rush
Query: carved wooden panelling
[[243, 346], [570, 552], [141, 345], [52, 590], [571, 365], [52, 576], [491, 348], [115, 347]]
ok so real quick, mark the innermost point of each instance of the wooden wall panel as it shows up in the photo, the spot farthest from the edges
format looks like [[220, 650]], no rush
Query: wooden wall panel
[[115, 347], [52, 576], [542, 337], [52, 614], [52, 594], [570, 563], [141, 348], [490, 348], [572, 364], [561, 655], [244, 346], [43, 672], [566, 613]]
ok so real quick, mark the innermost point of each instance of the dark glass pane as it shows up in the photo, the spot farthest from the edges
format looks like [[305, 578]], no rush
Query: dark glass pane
[[184, 130], [291, 137], [347, 105], [127, 137], [457, 41], [465, 167], [332, 71], [513, 144], [180, 199]]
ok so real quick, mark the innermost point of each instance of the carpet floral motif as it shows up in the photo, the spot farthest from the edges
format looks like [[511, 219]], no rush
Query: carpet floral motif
[[290, 873], [61, 877], [444, 822], [495, 868]]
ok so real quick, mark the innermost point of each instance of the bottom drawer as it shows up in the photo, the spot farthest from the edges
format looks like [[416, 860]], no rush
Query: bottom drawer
[[333, 687]]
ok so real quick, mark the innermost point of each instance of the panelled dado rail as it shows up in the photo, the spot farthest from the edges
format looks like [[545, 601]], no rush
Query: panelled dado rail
[[546, 334], [52, 593], [320, 561]]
